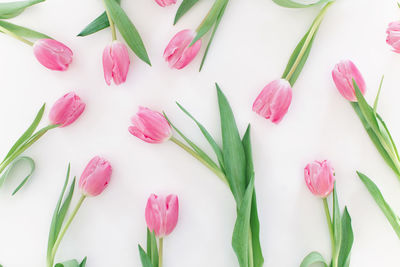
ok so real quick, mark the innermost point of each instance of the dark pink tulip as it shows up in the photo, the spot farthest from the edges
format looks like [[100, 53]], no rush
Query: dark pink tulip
[[343, 74], [164, 3], [274, 100], [150, 126], [178, 53], [95, 177], [319, 177], [116, 62], [52, 54], [66, 109], [162, 214], [393, 36]]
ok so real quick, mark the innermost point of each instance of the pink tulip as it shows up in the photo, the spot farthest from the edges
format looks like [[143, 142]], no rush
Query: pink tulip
[[150, 126], [66, 110], [274, 100], [95, 177], [116, 62], [162, 214], [319, 178], [178, 53], [343, 74], [393, 36], [164, 3], [52, 54]]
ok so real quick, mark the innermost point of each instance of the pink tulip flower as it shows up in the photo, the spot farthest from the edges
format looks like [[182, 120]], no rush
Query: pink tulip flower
[[343, 74], [274, 100], [150, 126], [116, 62], [162, 214], [319, 177], [178, 53], [52, 54], [95, 177], [393, 36], [66, 110], [165, 3]]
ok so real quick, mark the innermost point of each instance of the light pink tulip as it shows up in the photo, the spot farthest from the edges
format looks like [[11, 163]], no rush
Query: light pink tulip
[[52, 54], [178, 53], [162, 214], [274, 100], [116, 62], [95, 177], [319, 177], [164, 3], [150, 126], [343, 74], [66, 110], [393, 36]]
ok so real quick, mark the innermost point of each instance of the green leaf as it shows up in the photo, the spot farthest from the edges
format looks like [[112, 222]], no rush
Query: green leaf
[[313, 258], [12, 9], [185, 6], [294, 4], [22, 31], [383, 205], [337, 227], [127, 30], [83, 263], [152, 250], [232, 147], [12, 166], [71, 263], [347, 240], [145, 259], [100, 23]]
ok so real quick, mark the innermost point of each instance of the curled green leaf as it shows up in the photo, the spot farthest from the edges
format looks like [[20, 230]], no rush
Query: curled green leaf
[[12, 166], [294, 4], [312, 259]]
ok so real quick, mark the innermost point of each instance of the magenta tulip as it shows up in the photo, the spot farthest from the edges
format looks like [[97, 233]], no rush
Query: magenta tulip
[[150, 126], [164, 3], [393, 36], [162, 214], [178, 52], [319, 177], [66, 110], [343, 74], [95, 177], [274, 100], [52, 54], [116, 62]]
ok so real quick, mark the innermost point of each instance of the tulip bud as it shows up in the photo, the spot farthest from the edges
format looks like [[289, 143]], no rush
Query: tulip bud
[[95, 177], [164, 3], [393, 36], [319, 177], [178, 53], [66, 110], [52, 54], [115, 62], [162, 214], [274, 100], [343, 74], [150, 126]]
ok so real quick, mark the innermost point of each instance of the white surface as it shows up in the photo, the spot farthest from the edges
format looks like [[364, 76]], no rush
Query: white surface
[[251, 48]]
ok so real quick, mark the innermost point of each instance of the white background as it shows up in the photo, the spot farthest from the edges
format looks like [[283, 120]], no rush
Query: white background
[[251, 48]]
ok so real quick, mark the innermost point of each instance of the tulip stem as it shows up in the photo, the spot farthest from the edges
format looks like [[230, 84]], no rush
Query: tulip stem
[[218, 172], [64, 230], [330, 226], [112, 26], [213, 13], [10, 33], [160, 251]]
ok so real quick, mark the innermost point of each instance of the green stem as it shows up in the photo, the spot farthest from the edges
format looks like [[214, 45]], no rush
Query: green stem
[[215, 9], [330, 226], [160, 251], [314, 28], [112, 26], [10, 33], [65, 228], [218, 172]]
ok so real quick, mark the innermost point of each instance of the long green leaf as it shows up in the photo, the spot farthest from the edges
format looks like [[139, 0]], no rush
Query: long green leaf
[[337, 227], [347, 240], [232, 147], [185, 6], [312, 259], [23, 31], [294, 4], [152, 250], [12, 166], [127, 30], [83, 263], [12, 9], [145, 259], [72, 263], [380, 200]]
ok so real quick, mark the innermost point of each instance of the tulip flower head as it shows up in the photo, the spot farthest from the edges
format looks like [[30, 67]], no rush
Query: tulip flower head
[[115, 62], [343, 74], [95, 177], [52, 54], [178, 52], [274, 100], [165, 3], [319, 177], [393, 36], [66, 110], [162, 214], [150, 126]]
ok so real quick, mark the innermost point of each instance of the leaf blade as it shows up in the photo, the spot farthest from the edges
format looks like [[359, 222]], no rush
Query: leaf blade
[[294, 4], [12, 9], [347, 239], [313, 258], [185, 6], [144, 258]]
